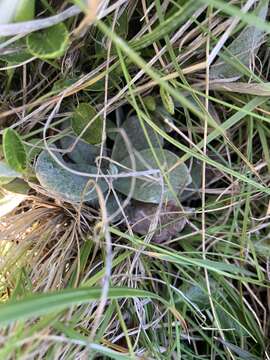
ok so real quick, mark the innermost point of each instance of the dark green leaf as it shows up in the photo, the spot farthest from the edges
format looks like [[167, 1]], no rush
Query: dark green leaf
[[81, 117], [50, 43], [112, 207]]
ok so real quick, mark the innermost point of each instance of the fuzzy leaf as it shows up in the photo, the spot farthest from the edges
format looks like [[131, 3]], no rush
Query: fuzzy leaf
[[136, 136], [50, 43], [150, 190], [110, 125], [83, 153], [81, 117], [14, 151], [64, 184], [7, 174], [244, 47]]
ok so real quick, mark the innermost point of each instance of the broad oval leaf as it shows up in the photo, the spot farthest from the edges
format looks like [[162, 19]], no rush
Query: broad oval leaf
[[150, 190], [136, 136], [83, 114], [63, 184], [14, 151], [7, 174], [82, 153], [50, 43]]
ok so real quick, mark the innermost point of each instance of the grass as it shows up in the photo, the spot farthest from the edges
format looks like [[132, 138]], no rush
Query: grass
[[76, 285]]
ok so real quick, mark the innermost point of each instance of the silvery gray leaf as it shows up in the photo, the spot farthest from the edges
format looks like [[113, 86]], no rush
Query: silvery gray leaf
[[63, 184], [244, 48], [82, 152], [137, 138], [7, 174], [150, 189]]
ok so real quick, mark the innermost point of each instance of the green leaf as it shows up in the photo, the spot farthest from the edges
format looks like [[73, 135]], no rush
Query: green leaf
[[39, 304], [7, 174], [62, 183], [14, 151], [17, 186], [241, 50], [25, 10], [150, 190], [33, 148], [16, 57], [167, 101], [50, 43], [150, 103], [136, 136], [81, 117], [62, 84]]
